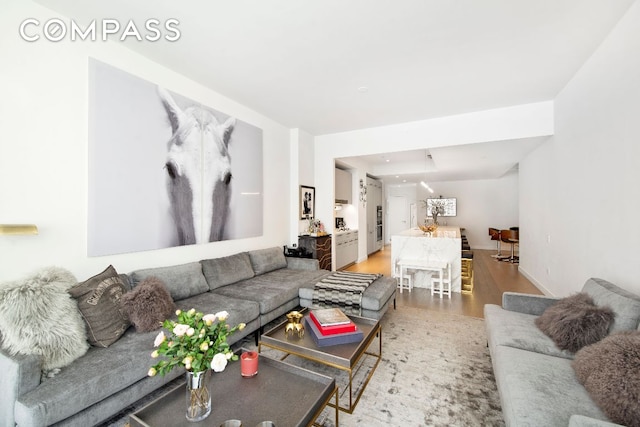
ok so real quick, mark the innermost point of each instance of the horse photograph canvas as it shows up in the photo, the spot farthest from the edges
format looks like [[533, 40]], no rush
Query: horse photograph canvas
[[165, 170]]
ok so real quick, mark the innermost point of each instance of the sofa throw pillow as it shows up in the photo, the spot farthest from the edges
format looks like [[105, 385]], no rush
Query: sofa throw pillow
[[148, 305], [38, 316], [182, 281], [227, 270], [624, 304], [610, 372], [99, 302], [575, 321], [266, 260]]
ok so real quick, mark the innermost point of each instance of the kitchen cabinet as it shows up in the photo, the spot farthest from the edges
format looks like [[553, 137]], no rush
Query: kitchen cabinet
[[319, 247], [343, 189], [346, 248]]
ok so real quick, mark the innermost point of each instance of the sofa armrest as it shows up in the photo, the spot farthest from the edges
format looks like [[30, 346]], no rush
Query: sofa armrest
[[19, 375], [526, 303], [296, 263], [584, 421]]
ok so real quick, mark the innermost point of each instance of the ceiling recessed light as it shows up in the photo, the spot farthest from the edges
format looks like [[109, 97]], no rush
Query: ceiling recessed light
[[397, 176], [363, 89]]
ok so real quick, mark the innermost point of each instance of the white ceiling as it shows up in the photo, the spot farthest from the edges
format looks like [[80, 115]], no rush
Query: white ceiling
[[462, 162], [302, 63]]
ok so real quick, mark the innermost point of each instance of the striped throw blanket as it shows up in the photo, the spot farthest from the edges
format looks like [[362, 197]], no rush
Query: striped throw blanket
[[343, 289]]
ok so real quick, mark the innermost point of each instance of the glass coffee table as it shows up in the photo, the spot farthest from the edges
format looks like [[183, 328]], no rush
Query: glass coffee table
[[281, 393], [342, 356]]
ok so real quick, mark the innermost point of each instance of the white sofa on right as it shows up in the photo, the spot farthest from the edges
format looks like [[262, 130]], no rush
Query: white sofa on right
[[536, 380]]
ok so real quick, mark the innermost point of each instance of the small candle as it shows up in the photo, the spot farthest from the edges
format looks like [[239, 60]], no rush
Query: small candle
[[249, 363]]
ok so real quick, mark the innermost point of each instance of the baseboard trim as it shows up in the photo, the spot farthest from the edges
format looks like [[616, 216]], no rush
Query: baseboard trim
[[537, 284]]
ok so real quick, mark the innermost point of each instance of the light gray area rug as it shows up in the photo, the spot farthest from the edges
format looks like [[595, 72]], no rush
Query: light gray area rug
[[435, 371]]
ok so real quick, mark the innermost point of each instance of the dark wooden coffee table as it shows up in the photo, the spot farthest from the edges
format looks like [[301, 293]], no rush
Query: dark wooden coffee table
[[281, 393], [343, 356]]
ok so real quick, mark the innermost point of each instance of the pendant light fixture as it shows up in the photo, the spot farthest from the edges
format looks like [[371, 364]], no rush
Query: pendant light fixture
[[424, 183]]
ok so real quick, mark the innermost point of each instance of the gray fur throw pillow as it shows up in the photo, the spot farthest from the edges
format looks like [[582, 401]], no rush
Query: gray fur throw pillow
[[148, 305], [610, 372], [575, 321], [38, 316]]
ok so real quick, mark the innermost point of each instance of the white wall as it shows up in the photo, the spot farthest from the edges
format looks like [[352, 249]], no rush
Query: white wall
[[302, 173], [481, 204], [523, 121], [43, 152], [579, 192]]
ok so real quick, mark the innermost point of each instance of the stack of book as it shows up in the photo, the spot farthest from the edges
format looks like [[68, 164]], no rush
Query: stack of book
[[330, 326]]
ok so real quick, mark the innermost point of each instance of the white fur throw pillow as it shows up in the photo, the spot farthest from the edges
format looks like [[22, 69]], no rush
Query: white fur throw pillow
[[38, 316]]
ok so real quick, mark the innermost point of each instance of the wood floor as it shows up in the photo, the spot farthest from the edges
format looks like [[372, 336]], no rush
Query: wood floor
[[491, 279]]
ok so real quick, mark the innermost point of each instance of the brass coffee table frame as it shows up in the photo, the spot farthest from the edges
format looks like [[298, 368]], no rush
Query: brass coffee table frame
[[343, 356]]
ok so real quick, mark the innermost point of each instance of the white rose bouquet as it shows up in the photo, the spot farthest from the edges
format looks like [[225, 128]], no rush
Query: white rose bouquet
[[198, 342]]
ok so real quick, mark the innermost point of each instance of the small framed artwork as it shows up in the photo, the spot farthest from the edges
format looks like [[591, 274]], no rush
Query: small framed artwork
[[307, 202]]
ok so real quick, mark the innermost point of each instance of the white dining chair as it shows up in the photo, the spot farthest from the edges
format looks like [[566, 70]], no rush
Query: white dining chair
[[404, 276], [441, 282]]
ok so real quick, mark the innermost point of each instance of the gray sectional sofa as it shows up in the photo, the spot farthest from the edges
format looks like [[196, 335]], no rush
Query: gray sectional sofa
[[536, 380], [255, 287]]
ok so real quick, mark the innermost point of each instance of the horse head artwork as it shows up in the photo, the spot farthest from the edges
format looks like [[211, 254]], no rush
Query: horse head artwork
[[198, 171]]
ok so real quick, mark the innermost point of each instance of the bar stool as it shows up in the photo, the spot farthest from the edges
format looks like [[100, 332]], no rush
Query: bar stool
[[495, 235], [442, 282], [466, 275], [513, 238]]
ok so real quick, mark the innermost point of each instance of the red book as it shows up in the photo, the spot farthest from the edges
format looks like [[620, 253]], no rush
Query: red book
[[334, 329]]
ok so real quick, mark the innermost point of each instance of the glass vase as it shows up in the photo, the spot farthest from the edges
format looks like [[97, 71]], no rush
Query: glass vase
[[198, 396]]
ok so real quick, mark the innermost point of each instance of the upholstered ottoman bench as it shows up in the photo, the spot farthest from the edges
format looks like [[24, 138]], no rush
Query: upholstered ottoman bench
[[375, 299]]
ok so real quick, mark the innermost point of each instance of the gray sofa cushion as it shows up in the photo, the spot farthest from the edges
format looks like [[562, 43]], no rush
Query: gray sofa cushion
[[182, 281], [373, 298], [272, 289], [582, 421], [527, 303], [624, 304], [518, 330], [99, 374], [227, 270], [302, 263], [539, 390], [378, 293], [266, 260], [239, 311]]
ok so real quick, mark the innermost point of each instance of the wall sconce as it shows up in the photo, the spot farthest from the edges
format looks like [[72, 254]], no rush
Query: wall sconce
[[18, 229], [363, 193]]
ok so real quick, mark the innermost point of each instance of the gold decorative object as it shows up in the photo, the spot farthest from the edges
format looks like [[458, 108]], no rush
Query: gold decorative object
[[294, 326], [428, 229], [15, 229]]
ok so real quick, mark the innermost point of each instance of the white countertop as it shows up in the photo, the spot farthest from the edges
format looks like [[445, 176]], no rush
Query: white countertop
[[337, 233], [443, 231]]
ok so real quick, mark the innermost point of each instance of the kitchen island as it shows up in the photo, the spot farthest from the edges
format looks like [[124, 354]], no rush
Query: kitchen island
[[414, 246]]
